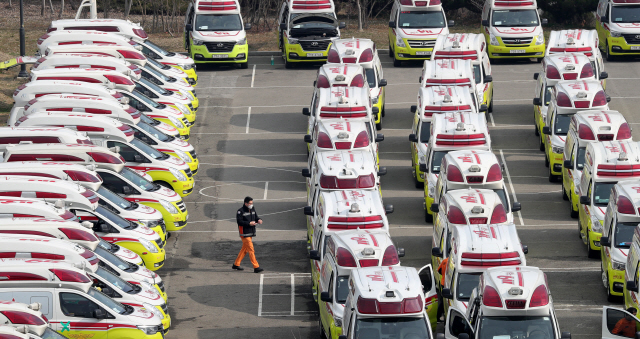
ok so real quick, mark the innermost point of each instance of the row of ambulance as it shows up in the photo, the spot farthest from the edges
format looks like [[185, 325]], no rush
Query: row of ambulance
[[94, 166]]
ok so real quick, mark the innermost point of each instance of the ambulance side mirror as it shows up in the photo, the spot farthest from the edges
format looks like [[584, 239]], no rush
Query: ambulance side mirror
[[608, 98], [604, 18], [413, 108], [567, 335], [632, 286], [487, 79], [392, 24], [537, 102], [382, 171], [567, 164], [308, 210], [446, 294], [436, 252], [314, 255], [413, 138], [375, 110], [306, 111], [486, 24], [283, 26], [423, 167], [188, 27], [525, 249], [435, 208], [546, 130], [604, 241], [306, 173], [604, 75], [420, 79], [247, 26], [536, 75], [516, 206], [388, 209], [451, 23], [584, 200], [440, 336], [127, 190], [315, 82], [308, 139], [324, 296], [400, 252], [463, 336], [137, 158], [382, 83], [544, 22], [379, 137], [342, 25], [99, 314], [483, 108]]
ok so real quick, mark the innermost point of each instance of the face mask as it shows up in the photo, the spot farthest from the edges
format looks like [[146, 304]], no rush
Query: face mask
[[250, 206]]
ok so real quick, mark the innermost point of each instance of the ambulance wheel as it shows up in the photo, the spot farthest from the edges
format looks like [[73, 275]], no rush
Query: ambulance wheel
[[607, 53], [565, 197], [541, 144], [287, 64], [379, 125], [591, 253], [323, 334], [390, 52], [536, 131], [572, 213], [490, 109], [552, 177], [417, 183], [244, 65], [546, 162], [383, 112], [428, 218], [579, 229], [605, 282], [396, 63]]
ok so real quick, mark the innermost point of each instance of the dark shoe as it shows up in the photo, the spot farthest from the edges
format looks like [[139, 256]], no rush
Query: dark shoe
[[237, 268], [258, 270]]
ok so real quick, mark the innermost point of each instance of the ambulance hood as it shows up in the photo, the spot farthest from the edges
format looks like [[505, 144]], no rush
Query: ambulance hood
[[219, 36], [420, 33], [626, 27], [296, 31], [508, 32]]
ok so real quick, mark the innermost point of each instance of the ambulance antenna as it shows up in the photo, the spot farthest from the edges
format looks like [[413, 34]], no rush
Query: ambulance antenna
[[369, 285], [408, 288]]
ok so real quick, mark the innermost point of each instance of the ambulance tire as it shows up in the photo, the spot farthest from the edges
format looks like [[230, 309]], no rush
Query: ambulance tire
[[323, 334], [565, 197], [244, 65], [546, 162], [490, 109], [572, 213], [605, 283], [417, 183], [287, 64], [428, 218], [379, 125], [383, 112], [536, 131], [552, 177], [607, 54], [591, 253], [390, 52], [396, 63], [541, 144]]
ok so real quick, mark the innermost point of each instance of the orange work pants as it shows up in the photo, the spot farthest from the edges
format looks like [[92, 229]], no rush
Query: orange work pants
[[247, 247]]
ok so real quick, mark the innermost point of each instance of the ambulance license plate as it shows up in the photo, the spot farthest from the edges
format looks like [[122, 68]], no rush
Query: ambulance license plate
[[517, 51], [219, 56], [423, 52], [635, 48], [314, 55]]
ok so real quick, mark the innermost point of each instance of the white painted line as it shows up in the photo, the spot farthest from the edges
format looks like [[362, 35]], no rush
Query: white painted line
[[284, 313], [248, 120], [513, 191], [262, 230], [260, 295], [493, 123], [253, 75], [266, 188], [578, 269], [293, 294], [277, 275], [509, 100], [283, 295]]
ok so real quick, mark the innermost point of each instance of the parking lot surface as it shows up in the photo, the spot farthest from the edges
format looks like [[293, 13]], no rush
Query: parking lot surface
[[249, 137]]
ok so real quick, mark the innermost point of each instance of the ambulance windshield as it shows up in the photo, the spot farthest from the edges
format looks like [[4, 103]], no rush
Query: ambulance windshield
[[370, 73], [138, 180], [477, 74], [561, 125], [503, 197], [624, 234], [218, 22], [425, 132], [514, 18], [625, 14], [421, 19], [108, 302], [516, 327], [342, 289], [466, 283], [392, 328], [602, 192], [436, 161], [580, 162]]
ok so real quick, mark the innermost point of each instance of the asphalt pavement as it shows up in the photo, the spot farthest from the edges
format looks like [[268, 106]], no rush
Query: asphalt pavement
[[249, 137]]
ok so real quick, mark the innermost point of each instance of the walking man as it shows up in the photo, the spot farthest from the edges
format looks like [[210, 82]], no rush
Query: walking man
[[247, 219]]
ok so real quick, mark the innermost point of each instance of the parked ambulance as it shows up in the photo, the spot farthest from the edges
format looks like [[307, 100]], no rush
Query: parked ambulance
[[35, 89], [579, 41], [89, 75], [41, 135], [344, 134], [161, 112], [26, 318], [513, 29], [82, 38], [85, 175], [617, 24], [34, 208], [82, 60], [306, 30], [126, 52]]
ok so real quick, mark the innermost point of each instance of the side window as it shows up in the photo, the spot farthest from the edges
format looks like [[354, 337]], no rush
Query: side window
[[459, 324], [128, 153], [606, 13], [331, 286], [75, 305], [621, 323], [573, 154], [112, 182], [589, 190]]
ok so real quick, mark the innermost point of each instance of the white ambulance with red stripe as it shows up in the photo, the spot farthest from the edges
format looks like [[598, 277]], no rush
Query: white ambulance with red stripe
[[474, 249], [25, 318], [451, 132], [82, 38], [389, 301], [447, 72], [165, 96], [436, 100], [126, 52], [34, 208], [41, 135], [79, 233], [96, 127], [472, 47], [89, 75], [35, 89], [586, 127], [345, 251], [166, 81], [508, 301], [344, 134], [579, 41], [620, 221], [84, 175], [555, 68], [567, 98], [75, 306], [45, 249], [606, 163], [164, 113], [83, 60]]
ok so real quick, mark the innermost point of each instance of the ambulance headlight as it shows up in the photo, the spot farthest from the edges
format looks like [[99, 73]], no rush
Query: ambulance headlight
[[153, 310], [169, 207], [374, 100], [493, 40], [198, 42], [186, 67], [183, 156], [618, 266], [147, 285], [149, 223], [596, 226], [615, 34], [557, 149], [183, 108], [149, 246], [148, 329], [540, 38], [400, 42], [241, 41], [292, 40], [178, 174], [337, 321], [189, 95], [176, 122], [432, 191]]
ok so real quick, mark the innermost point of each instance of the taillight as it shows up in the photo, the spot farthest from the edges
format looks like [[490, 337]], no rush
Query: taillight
[[324, 141], [20, 88], [585, 132], [366, 56], [625, 206], [104, 158], [74, 234], [97, 111], [49, 195], [362, 140], [406, 2], [624, 132], [456, 216], [499, 215], [50, 256], [344, 257], [328, 182], [552, 72], [51, 29], [333, 56], [454, 174], [71, 276], [366, 181], [17, 317], [357, 81], [119, 80], [495, 173], [140, 32], [81, 176], [390, 257], [587, 71], [67, 215], [322, 82], [540, 297], [600, 99], [83, 142], [563, 100], [491, 298], [127, 130], [90, 195], [131, 55]]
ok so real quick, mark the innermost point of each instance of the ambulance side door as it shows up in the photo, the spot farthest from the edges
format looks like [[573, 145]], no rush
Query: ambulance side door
[[569, 150], [618, 323], [456, 324], [81, 316], [429, 288]]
